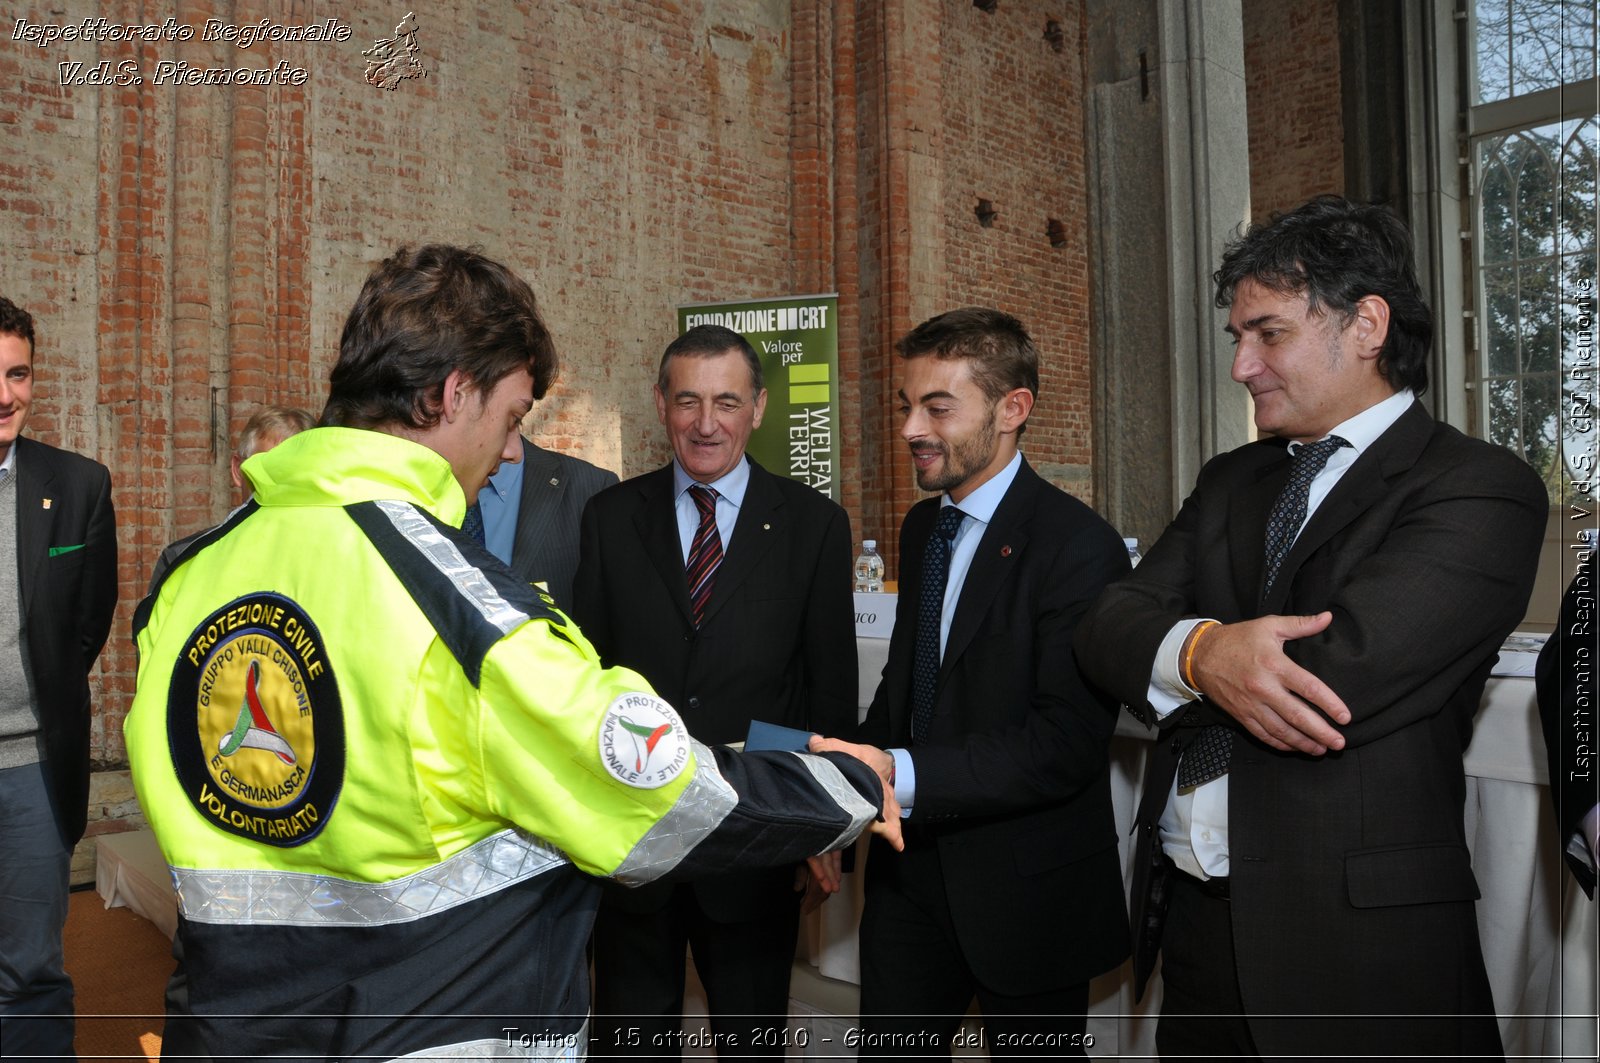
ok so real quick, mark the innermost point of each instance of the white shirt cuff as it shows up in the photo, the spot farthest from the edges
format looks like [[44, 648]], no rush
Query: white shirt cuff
[[905, 780], [1168, 691]]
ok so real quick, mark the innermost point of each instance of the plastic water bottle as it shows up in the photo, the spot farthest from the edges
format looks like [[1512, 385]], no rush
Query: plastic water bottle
[[869, 568], [1133, 551]]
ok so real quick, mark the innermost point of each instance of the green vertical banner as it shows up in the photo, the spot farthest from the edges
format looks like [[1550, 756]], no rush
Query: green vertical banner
[[797, 339]]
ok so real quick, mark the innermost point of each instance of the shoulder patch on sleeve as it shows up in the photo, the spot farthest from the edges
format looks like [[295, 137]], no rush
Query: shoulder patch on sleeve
[[643, 742]]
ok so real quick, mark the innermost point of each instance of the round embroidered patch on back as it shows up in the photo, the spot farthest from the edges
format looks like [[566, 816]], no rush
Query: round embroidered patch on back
[[254, 722], [643, 743]]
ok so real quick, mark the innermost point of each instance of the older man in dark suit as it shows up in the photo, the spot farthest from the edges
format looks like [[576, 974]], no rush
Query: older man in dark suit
[[1008, 889], [56, 602], [1313, 633], [728, 588]]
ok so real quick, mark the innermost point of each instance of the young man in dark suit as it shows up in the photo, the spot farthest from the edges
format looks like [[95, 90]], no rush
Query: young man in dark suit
[[1009, 888], [56, 601], [1313, 633], [728, 588]]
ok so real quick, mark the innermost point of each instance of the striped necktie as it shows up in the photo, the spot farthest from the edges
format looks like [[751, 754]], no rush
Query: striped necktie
[[705, 552]]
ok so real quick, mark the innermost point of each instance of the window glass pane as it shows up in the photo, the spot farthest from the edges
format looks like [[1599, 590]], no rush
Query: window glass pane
[[1540, 310], [1523, 46], [1495, 204], [1578, 33], [1578, 186], [1536, 194], [1500, 320], [1540, 41], [1504, 426], [1491, 37], [1540, 422]]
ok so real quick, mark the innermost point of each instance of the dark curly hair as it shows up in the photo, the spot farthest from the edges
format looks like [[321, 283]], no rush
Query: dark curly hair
[[15, 321], [421, 315], [1337, 253], [1001, 351]]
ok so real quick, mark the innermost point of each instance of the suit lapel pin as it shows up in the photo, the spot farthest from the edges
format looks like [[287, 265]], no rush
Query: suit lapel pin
[[766, 527], [555, 481], [1005, 551], [47, 503]]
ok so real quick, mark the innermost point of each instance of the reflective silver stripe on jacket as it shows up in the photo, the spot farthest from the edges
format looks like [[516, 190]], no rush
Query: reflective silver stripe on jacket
[[461, 573], [295, 898], [846, 796], [514, 1043], [704, 804]]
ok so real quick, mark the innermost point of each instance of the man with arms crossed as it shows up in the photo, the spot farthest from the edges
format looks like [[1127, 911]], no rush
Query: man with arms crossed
[[1313, 633], [56, 601], [1009, 887], [382, 767], [764, 632]]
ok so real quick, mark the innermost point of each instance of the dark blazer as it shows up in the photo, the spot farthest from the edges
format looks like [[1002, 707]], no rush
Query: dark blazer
[[1565, 678], [555, 489], [67, 578], [777, 642], [1013, 783], [1352, 887]]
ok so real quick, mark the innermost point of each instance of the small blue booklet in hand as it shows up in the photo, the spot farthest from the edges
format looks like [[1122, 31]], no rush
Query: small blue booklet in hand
[[763, 735]]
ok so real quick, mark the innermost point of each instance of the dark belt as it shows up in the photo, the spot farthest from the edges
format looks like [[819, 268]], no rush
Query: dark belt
[[1215, 887]]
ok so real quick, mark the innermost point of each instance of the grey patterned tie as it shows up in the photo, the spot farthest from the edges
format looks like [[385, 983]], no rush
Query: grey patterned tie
[[1289, 511], [930, 608], [1207, 755]]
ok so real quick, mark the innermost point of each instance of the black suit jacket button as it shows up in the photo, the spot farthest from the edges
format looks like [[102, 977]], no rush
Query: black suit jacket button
[[694, 703]]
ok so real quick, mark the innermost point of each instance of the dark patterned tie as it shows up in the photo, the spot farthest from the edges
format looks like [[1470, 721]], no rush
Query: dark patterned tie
[[705, 552], [930, 608], [1289, 511], [1208, 754], [473, 525]]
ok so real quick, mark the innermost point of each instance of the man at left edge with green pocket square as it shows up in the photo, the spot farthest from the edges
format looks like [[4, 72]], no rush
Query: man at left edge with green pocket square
[[56, 604]]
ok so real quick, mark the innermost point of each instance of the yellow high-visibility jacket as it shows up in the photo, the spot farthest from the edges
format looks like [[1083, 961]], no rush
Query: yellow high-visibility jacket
[[382, 769]]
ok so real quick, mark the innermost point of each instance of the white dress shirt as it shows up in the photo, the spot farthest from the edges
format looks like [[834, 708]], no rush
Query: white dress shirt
[[979, 507], [1194, 826], [730, 496]]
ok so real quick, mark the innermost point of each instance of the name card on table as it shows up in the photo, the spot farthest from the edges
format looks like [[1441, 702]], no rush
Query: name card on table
[[875, 615]]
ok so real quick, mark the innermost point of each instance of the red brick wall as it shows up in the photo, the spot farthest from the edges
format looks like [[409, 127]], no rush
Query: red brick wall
[[1013, 134], [1291, 61], [191, 250], [954, 104]]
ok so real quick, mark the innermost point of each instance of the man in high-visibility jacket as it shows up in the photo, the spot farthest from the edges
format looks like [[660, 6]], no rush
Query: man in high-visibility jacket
[[381, 769]]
